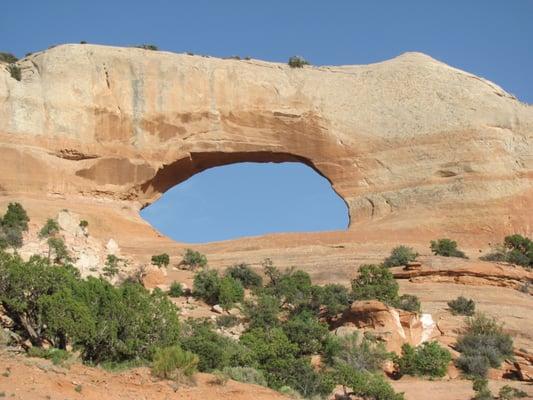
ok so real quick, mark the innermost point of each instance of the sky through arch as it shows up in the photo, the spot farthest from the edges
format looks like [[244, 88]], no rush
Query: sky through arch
[[248, 199]]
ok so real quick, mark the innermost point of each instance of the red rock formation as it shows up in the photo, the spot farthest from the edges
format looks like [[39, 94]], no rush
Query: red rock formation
[[395, 327]]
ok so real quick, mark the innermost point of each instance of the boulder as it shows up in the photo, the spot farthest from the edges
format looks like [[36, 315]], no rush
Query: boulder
[[393, 326], [218, 309]]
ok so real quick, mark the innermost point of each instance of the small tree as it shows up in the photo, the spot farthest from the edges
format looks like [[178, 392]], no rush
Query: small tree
[[446, 248], [244, 274], [57, 247], [400, 255], [161, 260], [50, 228], [111, 267], [297, 62], [462, 306], [8, 58], [176, 289], [84, 224], [230, 292], [206, 286], [15, 72], [264, 312], [194, 259], [330, 300], [428, 359], [375, 282], [16, 217]]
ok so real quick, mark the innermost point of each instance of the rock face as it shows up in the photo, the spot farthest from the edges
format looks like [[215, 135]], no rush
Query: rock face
[[412, 145], [394, 327]]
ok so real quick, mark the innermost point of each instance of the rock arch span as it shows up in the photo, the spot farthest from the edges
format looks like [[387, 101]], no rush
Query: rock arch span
[[415, 147]]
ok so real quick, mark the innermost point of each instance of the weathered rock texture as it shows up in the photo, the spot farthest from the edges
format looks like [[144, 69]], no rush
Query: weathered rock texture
[[415, 147], [394, 327]]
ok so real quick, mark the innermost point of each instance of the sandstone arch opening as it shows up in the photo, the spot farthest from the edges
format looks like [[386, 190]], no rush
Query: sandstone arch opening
[[209, 203]]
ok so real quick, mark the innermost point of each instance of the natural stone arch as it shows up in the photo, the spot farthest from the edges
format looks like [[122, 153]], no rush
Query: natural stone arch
[[413, 146]]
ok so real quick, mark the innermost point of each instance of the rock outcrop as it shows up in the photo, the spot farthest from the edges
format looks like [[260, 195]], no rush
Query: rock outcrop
[[413, 146], [394, 327], [467, 272]]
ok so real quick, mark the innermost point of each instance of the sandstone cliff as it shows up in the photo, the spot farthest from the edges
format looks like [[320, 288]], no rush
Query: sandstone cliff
[[416, 148]]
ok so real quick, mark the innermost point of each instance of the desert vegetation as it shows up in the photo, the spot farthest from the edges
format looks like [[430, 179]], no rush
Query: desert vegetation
[[483, 345], [285, 319], [446, 248], [297, 62], [401, 255], [462, 306], [516, 249]]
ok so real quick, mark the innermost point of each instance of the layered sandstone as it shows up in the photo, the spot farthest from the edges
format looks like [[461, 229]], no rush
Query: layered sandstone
[[417, 149]]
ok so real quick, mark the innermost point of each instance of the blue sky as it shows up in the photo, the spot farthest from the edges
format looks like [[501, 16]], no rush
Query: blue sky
[[490, 38]]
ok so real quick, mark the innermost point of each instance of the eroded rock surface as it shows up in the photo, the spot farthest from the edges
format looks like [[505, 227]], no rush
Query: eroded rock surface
[[414, 147], [394, 327]]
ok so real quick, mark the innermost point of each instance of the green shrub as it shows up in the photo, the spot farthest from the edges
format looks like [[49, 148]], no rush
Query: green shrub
[[331, 299], [16, 217], [106, 323], [176, 289], [246, 375], [194, 259], [273, 353], [483, 345], [84, 223], [481, 388], [10, 237], [408, 302], [215, 351], [516, 249], [15, 71], [148, 47], [57, 248], [428, 359], [8, 58], [446, 248], [375, 282], [462, 306], [57, 356], [361, 353], [161, 260], [50, 228], [401, 255], [264, 312], [508, 393], [206, 286], [173, 363], [297, 62], [112, 265], [307, 332], [291, 286], [230, 292], [245, 275], [364, 384]]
